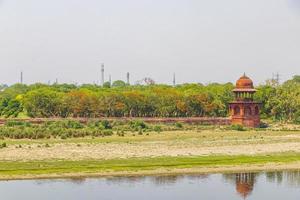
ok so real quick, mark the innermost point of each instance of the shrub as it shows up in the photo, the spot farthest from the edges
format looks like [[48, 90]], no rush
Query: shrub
[[263, 125], [178, 125], [3, 145], [138, 124], [17, 123], [74, 124], [108, 133], [297, 118], [238, 127], [106, 124], [63, 137], [93, 124], [157, 129]]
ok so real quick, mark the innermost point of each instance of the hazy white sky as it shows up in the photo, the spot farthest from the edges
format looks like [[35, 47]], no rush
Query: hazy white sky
[[200, 40]]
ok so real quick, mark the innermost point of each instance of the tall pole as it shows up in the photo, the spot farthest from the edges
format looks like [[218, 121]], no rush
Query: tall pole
[[102, 74], [128, 78], [277, 78], [174, 79], [21, 80]]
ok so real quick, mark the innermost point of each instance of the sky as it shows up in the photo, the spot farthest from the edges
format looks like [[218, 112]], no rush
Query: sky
[[200, 40]]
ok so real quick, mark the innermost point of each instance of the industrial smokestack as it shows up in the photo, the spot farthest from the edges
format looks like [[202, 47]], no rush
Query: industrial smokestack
[[174, 79], [102, 74], [128, 78], [21, 78]]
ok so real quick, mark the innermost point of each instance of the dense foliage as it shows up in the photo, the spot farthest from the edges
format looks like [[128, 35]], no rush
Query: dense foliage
[[280, 102], [64, 129]]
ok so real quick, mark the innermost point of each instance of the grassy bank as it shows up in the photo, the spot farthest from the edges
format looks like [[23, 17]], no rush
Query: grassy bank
[[71, 149], [141, 166]]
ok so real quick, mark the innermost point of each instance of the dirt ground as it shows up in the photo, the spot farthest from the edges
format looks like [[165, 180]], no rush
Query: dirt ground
[[155, 145]]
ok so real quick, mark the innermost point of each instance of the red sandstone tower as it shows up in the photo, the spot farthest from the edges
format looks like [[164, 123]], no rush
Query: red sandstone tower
[[244, 110]]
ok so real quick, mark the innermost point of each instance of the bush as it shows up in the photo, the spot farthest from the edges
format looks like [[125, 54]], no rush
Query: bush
[[178, 125], [238, 127], [3, 145], [263, 125], [108, 132], [138, 124], [106, 124], [74, 124], [157, 129], [297, 118], [17, 123], [63, 137]]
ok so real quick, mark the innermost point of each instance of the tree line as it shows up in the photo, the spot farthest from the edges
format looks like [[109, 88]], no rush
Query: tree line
[[280, 102]]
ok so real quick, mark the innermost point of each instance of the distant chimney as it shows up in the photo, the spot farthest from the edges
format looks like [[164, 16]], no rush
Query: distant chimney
[[174, 79], [102, 74], [128, 78], [21, 78]]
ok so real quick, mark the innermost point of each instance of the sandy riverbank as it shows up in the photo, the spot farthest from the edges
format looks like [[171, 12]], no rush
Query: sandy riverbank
[[251, 151], [181, 143]]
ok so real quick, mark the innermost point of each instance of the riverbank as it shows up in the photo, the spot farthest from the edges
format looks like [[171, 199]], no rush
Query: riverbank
[[167, 144], [168, 152], [147, 166]]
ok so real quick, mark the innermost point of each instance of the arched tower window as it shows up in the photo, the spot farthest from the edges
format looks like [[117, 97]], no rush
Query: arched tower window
[[256, 110], [248, 111], [237, 110]]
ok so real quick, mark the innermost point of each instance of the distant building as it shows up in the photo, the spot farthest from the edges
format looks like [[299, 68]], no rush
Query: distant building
[[244, 110]]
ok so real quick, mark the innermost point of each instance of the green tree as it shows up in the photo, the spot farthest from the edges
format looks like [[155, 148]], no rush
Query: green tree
[[107, 85], [118, 83], [43, 102]]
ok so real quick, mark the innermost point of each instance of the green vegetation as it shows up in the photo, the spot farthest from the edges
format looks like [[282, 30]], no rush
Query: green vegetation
[[280, 102], [62, 167], [238, 127], [74, 129], [64, 129]]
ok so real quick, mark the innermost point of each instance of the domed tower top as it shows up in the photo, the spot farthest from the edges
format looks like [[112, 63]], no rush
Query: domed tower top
[[244, 189], [244, 84]]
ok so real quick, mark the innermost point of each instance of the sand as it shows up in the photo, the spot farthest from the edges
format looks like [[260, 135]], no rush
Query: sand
[[86, 151]]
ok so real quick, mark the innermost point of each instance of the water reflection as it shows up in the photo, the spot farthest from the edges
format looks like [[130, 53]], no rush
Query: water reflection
[[276, 185], [244, 183], [291, 178], [171, 180]]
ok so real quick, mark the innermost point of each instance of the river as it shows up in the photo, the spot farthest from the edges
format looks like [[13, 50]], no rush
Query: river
[[236, 186]]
